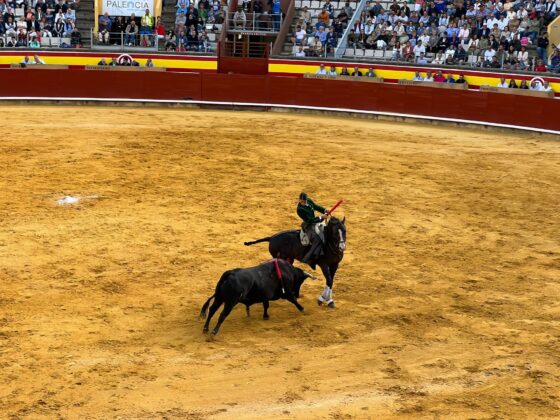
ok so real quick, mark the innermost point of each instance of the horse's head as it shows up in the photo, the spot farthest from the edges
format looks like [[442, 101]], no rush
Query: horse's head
[[337, 233]]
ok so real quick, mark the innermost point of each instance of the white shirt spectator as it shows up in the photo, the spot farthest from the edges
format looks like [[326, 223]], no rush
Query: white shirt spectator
[[429, 78], [464, 33], [419, 48], [502, 23], [523, 57], [503, 84], [488, 54], [321, 71], [418, 78], [300, 53], [546, 87], [300, 34], [490, 22]]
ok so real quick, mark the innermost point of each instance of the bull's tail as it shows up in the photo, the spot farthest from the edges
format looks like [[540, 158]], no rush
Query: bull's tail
[[267, 239], [207, 303], [205, 307]]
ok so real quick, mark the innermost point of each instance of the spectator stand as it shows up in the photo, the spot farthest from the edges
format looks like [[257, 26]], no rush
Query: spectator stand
[[516, 33], [35, 26], [310, 14]]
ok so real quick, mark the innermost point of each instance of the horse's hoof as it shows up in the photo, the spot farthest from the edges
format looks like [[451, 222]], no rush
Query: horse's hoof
[[205, 330], [266, 317], [214, 332], [302, 310], [319, 302], [331, 304]]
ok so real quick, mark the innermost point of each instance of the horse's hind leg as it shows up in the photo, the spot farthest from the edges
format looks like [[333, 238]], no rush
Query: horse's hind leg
[[265, 307], [215, 305]]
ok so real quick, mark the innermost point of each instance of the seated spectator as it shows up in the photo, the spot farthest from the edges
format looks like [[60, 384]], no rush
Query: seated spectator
[[180, 20], [344, 72], [512, 84], [33, 43], [105, 23], [239, 18], [540, 67], [357, 72], [546, 87], [554, 61], [322, 71], [523, 85], [417, 77], [439, 77], [130, 33], [370, 73], [299, 36], [449, 79], [68, 28], [118, 27], [103, 62], [203, 43], [332, 71], [534, 86], [503, 83], [114, 62], [149, 63], [26, 60], [299, 53], [76, 38], [461, 79], [146, 29], [422, 59], [439, 59], [429, 77], [159, 30], [170, 41], [323, 19]]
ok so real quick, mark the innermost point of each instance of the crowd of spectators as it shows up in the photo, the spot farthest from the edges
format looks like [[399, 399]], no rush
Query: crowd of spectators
[[493, 34], [320, 38], [187, 34], [39, 22], [488, 34]]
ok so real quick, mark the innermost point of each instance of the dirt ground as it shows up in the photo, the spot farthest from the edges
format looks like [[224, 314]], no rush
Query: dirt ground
[[448, 296]]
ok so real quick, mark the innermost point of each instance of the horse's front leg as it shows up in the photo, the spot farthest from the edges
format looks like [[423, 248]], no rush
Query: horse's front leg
[[326, 296]]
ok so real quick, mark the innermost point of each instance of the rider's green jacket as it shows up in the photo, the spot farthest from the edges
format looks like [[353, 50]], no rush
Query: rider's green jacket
[[307, 212]]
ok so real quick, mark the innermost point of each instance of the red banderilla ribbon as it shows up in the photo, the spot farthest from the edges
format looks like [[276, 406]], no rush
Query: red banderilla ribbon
[[339, 202], [279, 274]]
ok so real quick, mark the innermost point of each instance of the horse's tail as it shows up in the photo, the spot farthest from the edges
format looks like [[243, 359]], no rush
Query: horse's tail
[[267, 239], [205, 306]]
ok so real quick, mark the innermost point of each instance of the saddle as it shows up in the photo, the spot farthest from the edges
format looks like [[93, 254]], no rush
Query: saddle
[[319, 229]]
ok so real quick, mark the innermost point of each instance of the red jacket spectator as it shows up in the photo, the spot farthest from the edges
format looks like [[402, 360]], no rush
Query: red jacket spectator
[[540, 67], [439, 77]]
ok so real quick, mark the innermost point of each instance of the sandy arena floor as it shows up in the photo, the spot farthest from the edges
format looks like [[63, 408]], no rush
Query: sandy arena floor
[[448, 297]]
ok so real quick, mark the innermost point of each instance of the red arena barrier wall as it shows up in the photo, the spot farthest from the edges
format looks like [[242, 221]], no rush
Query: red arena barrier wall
[[476, 106]]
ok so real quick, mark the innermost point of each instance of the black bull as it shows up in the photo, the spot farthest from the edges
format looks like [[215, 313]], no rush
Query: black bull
[[258, 284], [287, 245]]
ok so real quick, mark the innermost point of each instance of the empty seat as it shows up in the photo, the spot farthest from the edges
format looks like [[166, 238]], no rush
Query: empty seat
[[315, 4], [306, 3], [359, 52], [349, 52], [211, 36], [368, 53], [378, 53]]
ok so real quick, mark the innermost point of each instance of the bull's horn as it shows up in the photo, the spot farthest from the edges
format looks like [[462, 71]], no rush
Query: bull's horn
[[310, 275]]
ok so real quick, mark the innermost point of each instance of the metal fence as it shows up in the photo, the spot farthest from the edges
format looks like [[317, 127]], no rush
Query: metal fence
[[256, 22]]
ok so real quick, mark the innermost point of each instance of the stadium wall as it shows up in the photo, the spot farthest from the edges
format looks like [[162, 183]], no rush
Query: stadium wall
[[536, 113]]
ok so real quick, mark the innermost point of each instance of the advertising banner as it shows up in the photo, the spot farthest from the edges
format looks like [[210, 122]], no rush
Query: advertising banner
[[127, 7]]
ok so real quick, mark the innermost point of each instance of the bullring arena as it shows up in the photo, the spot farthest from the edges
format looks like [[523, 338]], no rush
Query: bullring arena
[[446, 298], [145, 142]]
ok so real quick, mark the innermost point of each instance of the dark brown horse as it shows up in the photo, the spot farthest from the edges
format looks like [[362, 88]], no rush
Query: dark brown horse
[[287, 245]]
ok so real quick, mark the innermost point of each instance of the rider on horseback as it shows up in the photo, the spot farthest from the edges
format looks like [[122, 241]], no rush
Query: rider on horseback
[[306, 211]]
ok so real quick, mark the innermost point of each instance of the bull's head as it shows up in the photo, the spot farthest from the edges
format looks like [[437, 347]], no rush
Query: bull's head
[[299, 278]]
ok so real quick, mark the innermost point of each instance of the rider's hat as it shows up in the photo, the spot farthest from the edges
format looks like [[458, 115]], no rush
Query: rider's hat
[[303, 196]]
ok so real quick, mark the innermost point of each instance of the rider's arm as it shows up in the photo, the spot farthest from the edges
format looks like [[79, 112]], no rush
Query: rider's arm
[[306, 214], [316, 207]]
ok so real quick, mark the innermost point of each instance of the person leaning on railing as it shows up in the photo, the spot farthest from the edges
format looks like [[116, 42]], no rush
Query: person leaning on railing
[[131, 33], [117, 29]]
